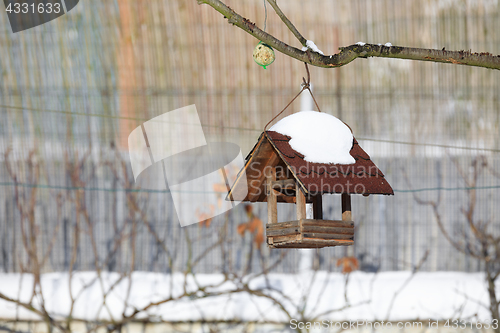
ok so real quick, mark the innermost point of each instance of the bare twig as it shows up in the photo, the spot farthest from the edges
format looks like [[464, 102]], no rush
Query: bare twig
[[484, 246], [347, 306], [287, 22], [28, 306], [403, 286]]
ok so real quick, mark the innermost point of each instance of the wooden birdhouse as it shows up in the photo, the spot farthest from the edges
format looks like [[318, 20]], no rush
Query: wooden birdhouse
[[277, 173]]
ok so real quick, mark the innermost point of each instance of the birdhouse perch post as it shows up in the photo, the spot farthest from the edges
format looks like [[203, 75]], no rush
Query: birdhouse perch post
[[346, 207], [300, 203]]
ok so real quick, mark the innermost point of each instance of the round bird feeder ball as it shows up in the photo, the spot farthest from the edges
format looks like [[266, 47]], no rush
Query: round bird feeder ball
[[263, 55]]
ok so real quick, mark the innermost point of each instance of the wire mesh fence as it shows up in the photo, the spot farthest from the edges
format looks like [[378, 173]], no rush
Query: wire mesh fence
[[72, 90]]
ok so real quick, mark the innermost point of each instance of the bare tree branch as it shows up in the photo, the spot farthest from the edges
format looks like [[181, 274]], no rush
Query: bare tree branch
[[287, 22], [415, 270], [349, 53], [29, 306], [484, 246]]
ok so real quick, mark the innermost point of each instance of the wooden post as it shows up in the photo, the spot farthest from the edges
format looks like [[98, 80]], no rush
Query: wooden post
[[346, 207], [318, 207], [301, 203], [272, 202]]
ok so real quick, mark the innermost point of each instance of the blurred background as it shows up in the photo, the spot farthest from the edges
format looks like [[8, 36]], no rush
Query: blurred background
[[72, 90]]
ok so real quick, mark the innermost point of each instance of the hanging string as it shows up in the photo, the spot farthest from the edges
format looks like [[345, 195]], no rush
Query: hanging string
[[303, 88], [306, 85], [265, 18]]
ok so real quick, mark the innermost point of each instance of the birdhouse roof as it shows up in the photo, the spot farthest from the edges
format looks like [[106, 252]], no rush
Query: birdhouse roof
[[273, 150]]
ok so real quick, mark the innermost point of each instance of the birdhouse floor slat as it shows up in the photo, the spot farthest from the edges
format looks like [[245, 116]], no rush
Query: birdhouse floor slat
[[329, 223], [283, 232], [313, 235], [308, 244], [282, 225], [309, 233], [281, 240], [328, 230]]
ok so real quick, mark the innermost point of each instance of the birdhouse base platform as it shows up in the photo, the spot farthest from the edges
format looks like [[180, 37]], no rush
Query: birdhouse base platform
[[309, 233]]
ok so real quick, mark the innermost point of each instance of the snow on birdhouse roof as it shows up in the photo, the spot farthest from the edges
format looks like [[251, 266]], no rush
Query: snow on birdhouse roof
[[320, 137]]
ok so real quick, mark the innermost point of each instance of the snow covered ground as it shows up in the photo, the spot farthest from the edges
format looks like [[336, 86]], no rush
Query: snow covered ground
[[393, 296]]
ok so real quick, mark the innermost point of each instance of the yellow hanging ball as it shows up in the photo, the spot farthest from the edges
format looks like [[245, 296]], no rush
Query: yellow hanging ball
[[263, 55]]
